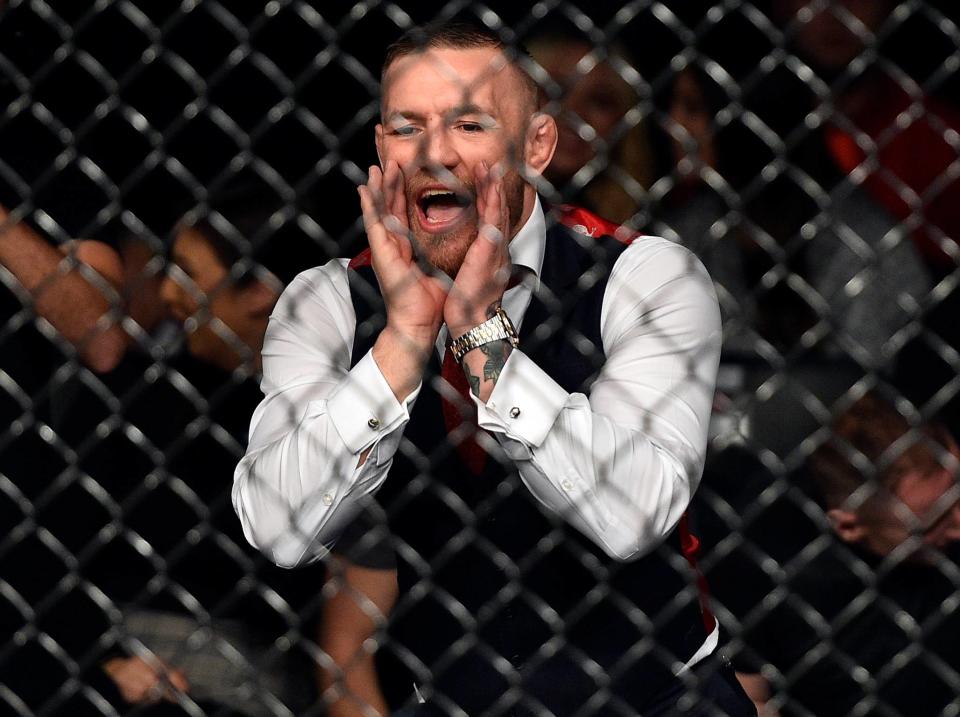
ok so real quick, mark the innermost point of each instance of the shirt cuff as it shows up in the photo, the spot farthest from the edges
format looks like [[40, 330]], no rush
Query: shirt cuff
[[525, 402], [364, 408]]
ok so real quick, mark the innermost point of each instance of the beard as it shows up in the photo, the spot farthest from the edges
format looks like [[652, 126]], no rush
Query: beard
[[445, 251]]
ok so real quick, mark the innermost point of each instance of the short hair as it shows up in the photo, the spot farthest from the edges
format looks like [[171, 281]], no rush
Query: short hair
[[873, 428], [459, 35]]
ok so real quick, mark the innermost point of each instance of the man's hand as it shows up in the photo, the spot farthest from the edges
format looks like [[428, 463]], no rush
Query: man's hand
[[414, 298], [77, 299], [479, 286], [141, 683]]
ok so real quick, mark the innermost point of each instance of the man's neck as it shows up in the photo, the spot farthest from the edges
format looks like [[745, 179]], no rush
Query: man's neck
[[529, 202]]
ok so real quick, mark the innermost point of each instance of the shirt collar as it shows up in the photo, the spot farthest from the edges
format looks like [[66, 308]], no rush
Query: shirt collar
[[528, 245]]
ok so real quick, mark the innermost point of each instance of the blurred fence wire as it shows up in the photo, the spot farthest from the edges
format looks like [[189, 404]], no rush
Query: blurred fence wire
[[808, 153]]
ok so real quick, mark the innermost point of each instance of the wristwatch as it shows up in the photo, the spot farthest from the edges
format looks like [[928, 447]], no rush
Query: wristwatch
[[496, 328]]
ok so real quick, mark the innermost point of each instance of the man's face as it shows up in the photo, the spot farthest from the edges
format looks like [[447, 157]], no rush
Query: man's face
[[831, 34], [598, 99], [444, 112], [219, 316], [690, 110], [926, 505]]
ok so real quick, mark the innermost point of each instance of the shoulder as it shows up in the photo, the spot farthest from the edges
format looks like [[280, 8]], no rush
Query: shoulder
[[636, 250], [327, 284], [652, 262], [629, 250]]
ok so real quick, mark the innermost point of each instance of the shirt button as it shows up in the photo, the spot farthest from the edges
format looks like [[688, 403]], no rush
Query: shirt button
[[514, 412], [374, 423], [327, 499], [566, 484]]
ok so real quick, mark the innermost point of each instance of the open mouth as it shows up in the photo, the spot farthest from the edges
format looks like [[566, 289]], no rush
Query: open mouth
[[440, 209]]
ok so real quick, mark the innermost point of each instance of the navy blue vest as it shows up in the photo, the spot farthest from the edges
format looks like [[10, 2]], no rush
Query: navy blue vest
[[504, 607]]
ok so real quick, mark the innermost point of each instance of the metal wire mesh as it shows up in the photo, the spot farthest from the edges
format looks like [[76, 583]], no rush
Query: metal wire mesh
[[806, 153]]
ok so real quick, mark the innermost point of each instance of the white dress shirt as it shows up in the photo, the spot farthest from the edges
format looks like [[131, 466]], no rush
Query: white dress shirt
[[620, 464]]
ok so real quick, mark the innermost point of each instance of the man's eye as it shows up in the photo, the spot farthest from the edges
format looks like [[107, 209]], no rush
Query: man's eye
[[471, 127], [405, 130]]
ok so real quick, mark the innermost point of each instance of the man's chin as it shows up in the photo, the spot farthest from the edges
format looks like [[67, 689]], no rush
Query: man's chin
[[445, 252]]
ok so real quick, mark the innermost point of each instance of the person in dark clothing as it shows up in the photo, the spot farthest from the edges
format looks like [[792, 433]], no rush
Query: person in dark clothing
[[168, 606], [59, 321], [863, 622], [609, 173], [192, 594]]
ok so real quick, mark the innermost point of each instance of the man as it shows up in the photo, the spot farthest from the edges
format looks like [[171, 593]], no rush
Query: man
[[593, 386], [880, 591]]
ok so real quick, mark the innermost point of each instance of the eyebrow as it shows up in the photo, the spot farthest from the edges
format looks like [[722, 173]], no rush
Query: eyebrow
[[459, 111]]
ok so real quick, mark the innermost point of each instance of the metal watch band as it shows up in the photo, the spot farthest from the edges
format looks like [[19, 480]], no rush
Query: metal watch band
[[496, 328]]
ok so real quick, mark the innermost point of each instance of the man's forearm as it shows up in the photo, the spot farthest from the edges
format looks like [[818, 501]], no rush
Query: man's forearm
[[401, 357], [76, 306], [350, 618], [483, 366]]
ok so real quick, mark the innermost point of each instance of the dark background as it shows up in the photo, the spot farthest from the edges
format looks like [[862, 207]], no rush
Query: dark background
[[127, 114]]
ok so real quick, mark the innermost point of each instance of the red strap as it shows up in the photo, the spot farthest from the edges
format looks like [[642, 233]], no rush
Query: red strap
[[690, 547], [589, 224], [463, 410]]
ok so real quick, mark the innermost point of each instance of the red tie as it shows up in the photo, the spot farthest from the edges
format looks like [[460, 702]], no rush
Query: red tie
[[460, 410]]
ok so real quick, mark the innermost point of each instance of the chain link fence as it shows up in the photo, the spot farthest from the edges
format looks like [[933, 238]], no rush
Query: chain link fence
[[166, 170]]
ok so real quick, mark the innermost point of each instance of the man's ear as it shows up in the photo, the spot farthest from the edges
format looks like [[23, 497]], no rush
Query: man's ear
[[378, 139], [541, 142], [847, 525]]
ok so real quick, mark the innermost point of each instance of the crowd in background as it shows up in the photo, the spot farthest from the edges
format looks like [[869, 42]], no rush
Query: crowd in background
[[821, 195]]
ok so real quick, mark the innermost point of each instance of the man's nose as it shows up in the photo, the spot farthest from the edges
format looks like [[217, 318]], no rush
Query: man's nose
[[438, 151], [174, 294]]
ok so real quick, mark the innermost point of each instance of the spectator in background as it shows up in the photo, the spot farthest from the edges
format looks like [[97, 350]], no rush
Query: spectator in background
[[603, 160], [216, 613], [884, 124], [825, 235], [227, 314], [172, 604], [879, 584], [807, 266], [60, 313]]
